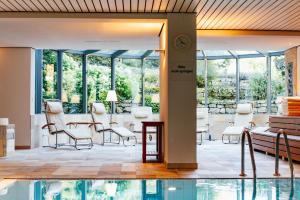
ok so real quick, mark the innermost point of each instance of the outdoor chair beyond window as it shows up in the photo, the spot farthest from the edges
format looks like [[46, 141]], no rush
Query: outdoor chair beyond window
[[202, 123], [243, 119], [56, 125], [138, 115], [102, 124]]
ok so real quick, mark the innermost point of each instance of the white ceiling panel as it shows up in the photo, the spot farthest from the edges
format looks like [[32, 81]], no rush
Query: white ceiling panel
[[211, 14]]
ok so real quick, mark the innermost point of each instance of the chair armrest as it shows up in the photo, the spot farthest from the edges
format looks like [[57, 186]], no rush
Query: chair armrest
[[95, 123], [131, 126], [48, 125], [252, 124], [81, 123]]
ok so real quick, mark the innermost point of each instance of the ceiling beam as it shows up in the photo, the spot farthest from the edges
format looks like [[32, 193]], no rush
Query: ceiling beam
[[90, 51], [208, 32], [146, 54], [117, 53], [235, 56]]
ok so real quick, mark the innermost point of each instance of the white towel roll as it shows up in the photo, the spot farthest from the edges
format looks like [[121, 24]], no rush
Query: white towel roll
[[4, 121]]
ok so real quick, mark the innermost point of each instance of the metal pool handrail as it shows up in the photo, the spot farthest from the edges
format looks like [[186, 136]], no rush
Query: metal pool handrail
[[288, 151], [245, 133]]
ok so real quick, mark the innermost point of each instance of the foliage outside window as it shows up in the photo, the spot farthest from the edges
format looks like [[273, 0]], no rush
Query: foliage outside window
[[201, 82], [98, 79], [128, 83], [151, 84], [221, 85], [278, 80], [49, 74], [72, 83], [254, 82], [221, 80]]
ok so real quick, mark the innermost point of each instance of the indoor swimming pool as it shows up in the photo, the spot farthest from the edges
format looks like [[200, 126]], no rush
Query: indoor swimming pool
[[169, 189]]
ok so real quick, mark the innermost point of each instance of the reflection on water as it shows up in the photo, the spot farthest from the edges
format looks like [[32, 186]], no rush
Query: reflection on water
[[202, 189]]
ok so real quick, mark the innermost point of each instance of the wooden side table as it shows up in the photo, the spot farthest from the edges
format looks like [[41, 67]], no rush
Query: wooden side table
[[158, 152]]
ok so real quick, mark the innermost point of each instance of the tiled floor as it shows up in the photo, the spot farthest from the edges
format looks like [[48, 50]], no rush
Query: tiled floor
[[215, 159]]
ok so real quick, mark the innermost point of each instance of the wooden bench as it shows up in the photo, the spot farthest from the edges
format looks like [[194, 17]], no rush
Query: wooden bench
[[264, 138]]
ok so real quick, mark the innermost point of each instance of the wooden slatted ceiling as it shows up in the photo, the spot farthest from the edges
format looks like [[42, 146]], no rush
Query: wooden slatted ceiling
[[211, 14]]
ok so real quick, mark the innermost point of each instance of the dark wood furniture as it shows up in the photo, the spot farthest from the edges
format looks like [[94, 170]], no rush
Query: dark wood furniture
[[158, 153], [264, 139]]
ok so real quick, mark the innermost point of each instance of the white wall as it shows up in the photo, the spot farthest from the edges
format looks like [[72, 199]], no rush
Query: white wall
[[17, 90]]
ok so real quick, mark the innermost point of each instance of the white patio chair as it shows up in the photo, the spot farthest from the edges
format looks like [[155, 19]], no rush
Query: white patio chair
[[202, 123], [56, 125], [243, 119], [102, 124]]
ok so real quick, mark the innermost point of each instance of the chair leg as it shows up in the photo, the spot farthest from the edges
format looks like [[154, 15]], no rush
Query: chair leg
[[92, 143], [201, 139], [103, 138], [56, 141], [75, 140], [229, 140], [123, 141], [119, 139], [135, 140], [223, 139]]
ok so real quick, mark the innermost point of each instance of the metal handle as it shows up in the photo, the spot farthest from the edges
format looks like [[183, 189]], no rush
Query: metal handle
[[244, 134], [288, 151]]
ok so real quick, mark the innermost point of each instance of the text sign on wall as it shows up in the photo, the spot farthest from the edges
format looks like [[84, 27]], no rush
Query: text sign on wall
[[182, 71]]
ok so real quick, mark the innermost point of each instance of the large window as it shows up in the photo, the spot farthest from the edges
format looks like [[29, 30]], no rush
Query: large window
[[254, 83], [252, 70]]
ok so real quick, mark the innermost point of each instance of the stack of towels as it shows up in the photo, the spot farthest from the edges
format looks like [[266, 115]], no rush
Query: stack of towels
[[291, 106]]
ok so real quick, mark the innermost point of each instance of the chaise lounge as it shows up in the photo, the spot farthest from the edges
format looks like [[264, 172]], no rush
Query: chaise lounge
[[56, 125], [102, 124], [243, 119]]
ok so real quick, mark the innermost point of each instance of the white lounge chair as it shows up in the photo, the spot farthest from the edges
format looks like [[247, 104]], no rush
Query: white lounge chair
[[243, 119], [56, 125], [102, 124], [202, 123]]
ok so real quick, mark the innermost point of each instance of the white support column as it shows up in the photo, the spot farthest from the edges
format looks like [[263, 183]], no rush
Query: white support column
[[17, 89], [178, 90]]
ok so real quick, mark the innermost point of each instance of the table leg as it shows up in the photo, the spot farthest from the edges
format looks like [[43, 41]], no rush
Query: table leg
[[159, 135], [144, 143], [157, 142]]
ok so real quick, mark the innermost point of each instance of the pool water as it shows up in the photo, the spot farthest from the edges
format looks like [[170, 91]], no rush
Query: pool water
[[190, 189]]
